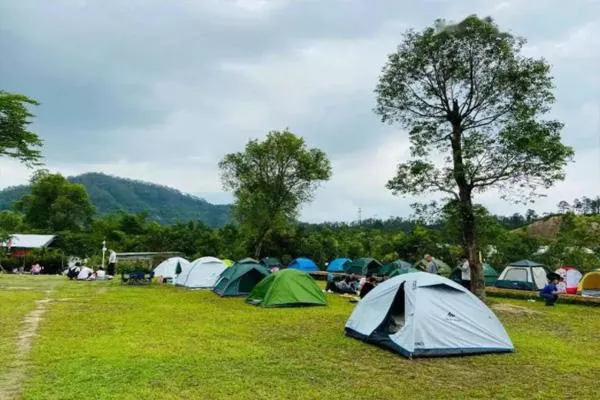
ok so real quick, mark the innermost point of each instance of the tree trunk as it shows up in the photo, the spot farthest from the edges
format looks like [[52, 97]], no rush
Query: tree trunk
[[469, 231], [259, 243]]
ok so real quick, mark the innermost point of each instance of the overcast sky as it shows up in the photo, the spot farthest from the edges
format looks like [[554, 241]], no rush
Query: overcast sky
[[161, 90]]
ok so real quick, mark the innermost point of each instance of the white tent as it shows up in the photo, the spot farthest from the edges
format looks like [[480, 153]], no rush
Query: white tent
[[420, 314], [524, 275], [167, 268], [202, 273], [84, 273]]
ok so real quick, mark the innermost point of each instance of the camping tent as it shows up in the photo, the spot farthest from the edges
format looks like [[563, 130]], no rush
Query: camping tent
[[248, 260], [240, 279], [271, 262], [287, 288], [490, 275], [402, 270], [524, 274], [589, 285], [167, 268], [387, 269], [421, 314], [443, 268], [228, 262], [304, 264], [571, 277], [338, 264], [363, 266], [202, 273]]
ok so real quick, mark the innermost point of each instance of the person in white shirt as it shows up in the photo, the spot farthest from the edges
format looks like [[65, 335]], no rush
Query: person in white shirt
[[112, 262], [465, 273]]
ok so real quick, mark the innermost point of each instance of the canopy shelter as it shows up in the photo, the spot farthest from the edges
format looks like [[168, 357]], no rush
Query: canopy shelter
[[570, 279], [168, 268], [338, 264], [21, 244], [443, 268], [490, 275], [287, 288], [304, 264], [363, 266], [421, 314], [240, 279], [387, 269], [589, 285], [202, 273], [271, 262], [523, 275]]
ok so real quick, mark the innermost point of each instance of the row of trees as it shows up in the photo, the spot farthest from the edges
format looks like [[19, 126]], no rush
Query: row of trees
[[475, 111]]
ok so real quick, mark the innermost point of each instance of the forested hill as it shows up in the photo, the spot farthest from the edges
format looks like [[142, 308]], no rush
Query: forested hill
[[112, 194]]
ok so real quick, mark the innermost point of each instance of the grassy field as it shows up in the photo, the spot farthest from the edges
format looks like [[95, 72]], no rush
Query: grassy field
[[99, 340]]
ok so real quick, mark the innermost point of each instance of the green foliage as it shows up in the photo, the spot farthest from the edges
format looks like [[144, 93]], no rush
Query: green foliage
[[270, 180], [111, 195], [15, 140], [55, 204], [53, 261]]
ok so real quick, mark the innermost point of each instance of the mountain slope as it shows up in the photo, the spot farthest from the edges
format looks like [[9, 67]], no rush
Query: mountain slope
[[112, 194]]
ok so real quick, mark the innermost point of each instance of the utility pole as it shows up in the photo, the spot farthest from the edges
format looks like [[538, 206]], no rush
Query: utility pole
[[359, 216]]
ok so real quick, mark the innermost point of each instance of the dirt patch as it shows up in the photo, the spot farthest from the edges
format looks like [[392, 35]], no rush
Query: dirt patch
[[515, 310], [10, 383], [19, 288]]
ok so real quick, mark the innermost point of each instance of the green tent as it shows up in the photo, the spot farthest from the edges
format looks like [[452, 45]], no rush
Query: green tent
[[363, 266], [489, 274], [287, 288], [227, 262], [239, 279], [443, 268], [271, 262], [394, 265], [403, 270], [248, 260]]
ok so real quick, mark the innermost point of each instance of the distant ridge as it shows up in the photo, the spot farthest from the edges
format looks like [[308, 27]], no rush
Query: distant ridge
[[112, 194]]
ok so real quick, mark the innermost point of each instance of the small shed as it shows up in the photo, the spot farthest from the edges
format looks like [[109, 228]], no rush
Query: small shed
[[21, 244]]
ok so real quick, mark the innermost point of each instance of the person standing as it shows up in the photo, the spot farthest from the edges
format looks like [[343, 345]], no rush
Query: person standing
[[430, 265], [465, 274], [112, 263]]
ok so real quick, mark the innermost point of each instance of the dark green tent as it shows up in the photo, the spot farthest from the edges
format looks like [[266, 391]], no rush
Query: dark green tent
[[240, 279], [287, 288], [389, 267], [405, 269], [489, 274], [271, 262], [363, 266], [248, 260], [443, 268]]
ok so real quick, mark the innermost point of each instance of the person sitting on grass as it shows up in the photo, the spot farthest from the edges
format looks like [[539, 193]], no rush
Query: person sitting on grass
[[550, 292], [367, 287], [342, 287]]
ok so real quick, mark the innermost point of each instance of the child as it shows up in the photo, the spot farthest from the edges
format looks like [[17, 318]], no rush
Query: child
[[550, 292]]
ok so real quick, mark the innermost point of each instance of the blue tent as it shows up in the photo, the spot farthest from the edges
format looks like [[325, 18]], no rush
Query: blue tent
[[337, 265], [304, 264]]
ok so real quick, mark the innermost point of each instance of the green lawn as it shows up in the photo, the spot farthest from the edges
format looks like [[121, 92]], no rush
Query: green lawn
[[99, 340]]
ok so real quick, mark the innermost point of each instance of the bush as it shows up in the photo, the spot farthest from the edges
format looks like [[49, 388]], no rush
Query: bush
[[526, 295], [51, 261], [126, 267]]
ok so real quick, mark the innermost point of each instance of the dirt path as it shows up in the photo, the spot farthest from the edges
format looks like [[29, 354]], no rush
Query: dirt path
[[12, 380]]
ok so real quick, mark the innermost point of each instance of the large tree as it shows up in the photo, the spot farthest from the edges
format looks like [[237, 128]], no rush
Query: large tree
[[473, 106], [55, 204], [270, 180], [15, 140]]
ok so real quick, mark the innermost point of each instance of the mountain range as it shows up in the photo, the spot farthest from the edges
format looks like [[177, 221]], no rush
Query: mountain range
[[112, 194]]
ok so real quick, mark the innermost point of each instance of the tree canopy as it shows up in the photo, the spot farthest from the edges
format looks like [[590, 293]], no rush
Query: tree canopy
[[270, 179], [474, 109], [15, 140]]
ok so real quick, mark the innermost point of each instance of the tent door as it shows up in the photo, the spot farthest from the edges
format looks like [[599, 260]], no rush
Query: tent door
[[395, 318]]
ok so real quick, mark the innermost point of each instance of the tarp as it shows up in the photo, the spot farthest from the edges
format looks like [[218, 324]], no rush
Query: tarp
[[490, 275], [202, 273], [363, 266], [167, 268], [338, 264], [240, 279], [524, 275], [304, 264], [287, 288], [422, 314], [387, 269]]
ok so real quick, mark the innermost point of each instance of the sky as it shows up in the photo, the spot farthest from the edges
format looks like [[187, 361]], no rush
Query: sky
[[161, 90]]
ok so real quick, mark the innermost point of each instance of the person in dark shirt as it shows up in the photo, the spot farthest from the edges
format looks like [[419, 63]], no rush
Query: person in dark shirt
[[367, 287], [550, 292]]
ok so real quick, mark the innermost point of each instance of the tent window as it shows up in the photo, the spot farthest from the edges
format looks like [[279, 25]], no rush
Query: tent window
[[395, 319], [516, 274]]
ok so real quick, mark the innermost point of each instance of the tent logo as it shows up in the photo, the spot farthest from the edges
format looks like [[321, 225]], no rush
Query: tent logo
[[450, 316]]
